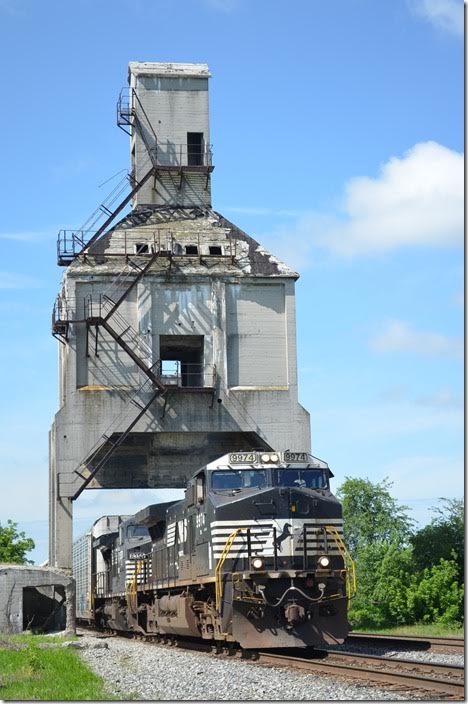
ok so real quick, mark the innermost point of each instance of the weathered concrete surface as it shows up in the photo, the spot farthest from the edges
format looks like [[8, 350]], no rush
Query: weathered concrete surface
[[31, 597], [172, 100]]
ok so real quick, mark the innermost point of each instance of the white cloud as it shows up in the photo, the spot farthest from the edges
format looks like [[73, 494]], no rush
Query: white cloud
[[416, 200], [10, 281], [398, 336], [443, 14]]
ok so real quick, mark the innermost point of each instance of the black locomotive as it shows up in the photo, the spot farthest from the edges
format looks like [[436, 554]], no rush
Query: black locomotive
[[253, 554]]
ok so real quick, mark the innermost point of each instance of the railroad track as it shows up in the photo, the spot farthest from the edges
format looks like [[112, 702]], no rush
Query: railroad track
[[444, 681], [453, 645], [433, 680]]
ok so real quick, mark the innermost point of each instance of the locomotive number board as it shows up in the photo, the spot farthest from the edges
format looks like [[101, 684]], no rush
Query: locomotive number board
[[295, 457], [253, 457], [242, 457]]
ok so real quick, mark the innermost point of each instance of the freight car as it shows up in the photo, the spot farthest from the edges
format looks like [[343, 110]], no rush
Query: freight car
[[253, 554]]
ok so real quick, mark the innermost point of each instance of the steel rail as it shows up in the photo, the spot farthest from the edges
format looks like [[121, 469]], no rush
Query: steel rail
[[405, 676], [418, 642]]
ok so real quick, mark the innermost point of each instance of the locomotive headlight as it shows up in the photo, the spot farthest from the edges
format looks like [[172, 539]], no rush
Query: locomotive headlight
[[270, 457], [324, 561], [257, 563]]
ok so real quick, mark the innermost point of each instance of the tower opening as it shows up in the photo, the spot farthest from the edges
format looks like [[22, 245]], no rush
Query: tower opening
[[195, 148], [182, 360]]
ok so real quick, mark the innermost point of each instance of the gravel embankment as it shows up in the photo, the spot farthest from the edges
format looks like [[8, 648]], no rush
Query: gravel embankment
[[147, 671], [402, 654]]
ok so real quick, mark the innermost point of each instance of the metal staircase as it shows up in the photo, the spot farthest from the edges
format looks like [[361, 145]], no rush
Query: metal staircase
[[104, 313], [113, 438], [71, 245]]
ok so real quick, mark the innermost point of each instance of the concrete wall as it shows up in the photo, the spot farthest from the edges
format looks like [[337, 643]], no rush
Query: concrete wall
[[170, 104], [111, 365], [15, 578], [241, 324], [256, 329]]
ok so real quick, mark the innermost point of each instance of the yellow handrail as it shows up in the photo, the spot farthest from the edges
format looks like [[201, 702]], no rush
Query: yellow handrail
[[351, 583], [219, 566], [132, 587]]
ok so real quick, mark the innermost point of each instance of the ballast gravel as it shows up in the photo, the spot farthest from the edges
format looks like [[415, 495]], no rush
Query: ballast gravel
[[148, 671]]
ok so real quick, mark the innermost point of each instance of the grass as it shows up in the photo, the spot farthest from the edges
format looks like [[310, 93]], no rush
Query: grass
[[420, 629], [32, 639], [53, 674]]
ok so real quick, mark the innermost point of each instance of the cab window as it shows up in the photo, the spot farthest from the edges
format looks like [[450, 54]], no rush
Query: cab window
[[137, 532], [300, 478], [239, 479]]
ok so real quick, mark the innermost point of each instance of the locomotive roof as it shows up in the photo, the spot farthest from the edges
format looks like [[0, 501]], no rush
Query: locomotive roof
[[152, 514]]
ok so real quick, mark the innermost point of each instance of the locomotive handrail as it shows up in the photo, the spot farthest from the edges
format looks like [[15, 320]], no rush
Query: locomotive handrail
[[347, 560], [132, 587], [219, 566]]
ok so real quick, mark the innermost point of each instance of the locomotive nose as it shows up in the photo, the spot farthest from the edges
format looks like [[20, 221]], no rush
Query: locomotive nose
[[301, 505], [294, 614]]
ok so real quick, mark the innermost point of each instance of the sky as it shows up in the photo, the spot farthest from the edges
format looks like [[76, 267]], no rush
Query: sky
[[337, 131]]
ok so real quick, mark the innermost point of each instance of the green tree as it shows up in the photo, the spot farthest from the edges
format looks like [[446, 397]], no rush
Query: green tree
[[14, 545], [402, 577], [371, 515], [442, 538], [437, 596], [385, 580]]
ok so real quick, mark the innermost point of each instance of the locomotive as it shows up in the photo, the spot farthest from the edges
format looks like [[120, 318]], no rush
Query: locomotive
[[253, 554]]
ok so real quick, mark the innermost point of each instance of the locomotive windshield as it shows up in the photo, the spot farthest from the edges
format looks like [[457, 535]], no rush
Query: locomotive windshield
[[137, 531], [311, 479], [239, 479]]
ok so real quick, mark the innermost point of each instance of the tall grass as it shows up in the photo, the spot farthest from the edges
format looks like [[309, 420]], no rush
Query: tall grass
[[52, 674]]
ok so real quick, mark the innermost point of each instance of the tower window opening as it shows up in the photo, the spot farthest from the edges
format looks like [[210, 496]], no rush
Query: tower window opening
[[181, 360], [191, 249], [215, 250], [195, 148], [141, 248]]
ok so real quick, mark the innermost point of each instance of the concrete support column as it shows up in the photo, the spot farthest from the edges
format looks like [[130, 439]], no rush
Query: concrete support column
[[63, 538], [60, 514], [70, 597]]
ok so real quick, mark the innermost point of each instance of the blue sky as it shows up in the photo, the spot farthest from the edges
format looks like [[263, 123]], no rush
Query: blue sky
[[337, 131]]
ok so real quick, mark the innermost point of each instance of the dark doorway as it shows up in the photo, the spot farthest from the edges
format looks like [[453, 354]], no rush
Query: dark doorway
[[195, 148], [182, 360], [44, 608]]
